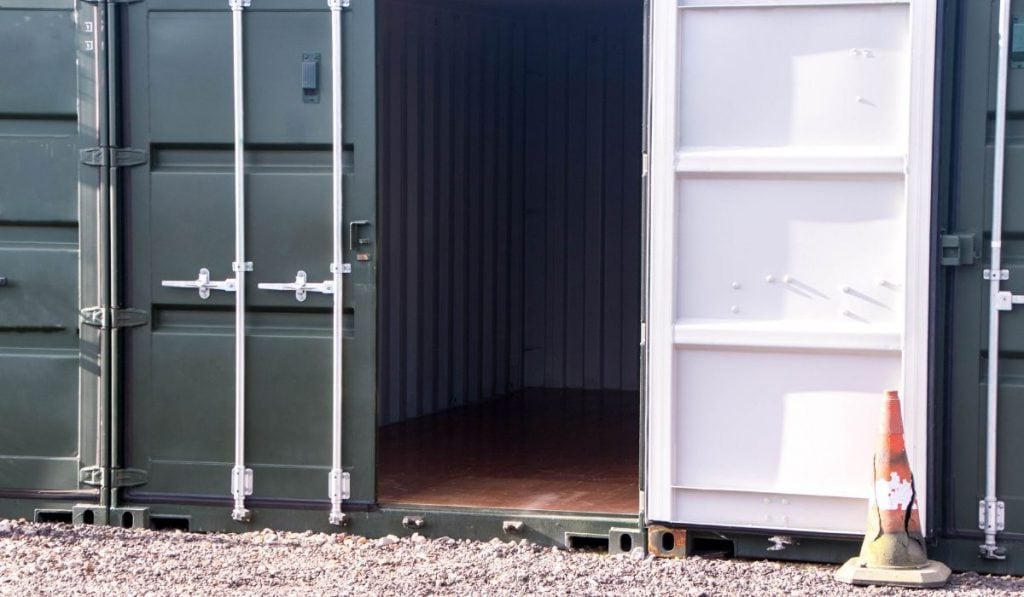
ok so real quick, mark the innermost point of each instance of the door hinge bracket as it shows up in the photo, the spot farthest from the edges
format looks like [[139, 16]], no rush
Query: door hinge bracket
[[114, 157], [241, 481], [119, 477], [991, 516], [956, 249], [1004, 274], [339, 485], [107, 318]]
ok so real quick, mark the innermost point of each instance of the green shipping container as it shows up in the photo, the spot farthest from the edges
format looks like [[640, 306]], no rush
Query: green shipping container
[[565, 312]]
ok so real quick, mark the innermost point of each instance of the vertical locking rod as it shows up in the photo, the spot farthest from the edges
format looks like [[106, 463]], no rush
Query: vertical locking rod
[[240, 486], [989, 549], [105, 255], [337, 485]]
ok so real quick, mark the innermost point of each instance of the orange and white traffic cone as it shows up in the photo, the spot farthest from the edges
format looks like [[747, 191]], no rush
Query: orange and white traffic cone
[[893, 552]]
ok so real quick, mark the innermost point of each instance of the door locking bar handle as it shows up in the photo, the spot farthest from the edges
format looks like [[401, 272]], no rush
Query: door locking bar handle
[[203, 284], [352, 241], [300, 286]]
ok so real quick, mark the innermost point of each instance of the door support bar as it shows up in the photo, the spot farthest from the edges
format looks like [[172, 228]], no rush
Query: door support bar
[[105, 254], [241, 477], [338, 480], [990, 506]]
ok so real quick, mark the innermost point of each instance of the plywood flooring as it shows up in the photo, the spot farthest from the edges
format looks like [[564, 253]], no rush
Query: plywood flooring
[[551, 450]]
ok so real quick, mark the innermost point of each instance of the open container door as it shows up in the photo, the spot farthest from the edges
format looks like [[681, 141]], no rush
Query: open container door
[[788, 251]]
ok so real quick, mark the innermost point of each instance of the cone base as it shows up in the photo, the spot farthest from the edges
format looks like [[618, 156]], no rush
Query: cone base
[[932, 575]]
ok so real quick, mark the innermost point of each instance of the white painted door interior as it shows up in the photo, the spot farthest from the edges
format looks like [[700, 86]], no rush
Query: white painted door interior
[[788, 252]]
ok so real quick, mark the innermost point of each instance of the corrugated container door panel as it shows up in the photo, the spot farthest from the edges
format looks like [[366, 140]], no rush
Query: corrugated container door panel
[[824, 75], [190, 60], [178, 104], [780, 271], [43, 81], [46, 274], [26, 196]]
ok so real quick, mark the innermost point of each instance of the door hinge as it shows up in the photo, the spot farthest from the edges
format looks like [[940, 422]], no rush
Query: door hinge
[[956, 249], [119, 477], [114, 157], [991, 516], [107, 318]]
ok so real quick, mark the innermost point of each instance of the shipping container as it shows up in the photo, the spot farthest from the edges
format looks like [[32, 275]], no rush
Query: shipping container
[[611, 272]]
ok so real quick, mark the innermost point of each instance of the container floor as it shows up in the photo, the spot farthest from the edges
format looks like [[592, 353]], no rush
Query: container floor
[[557, 450]]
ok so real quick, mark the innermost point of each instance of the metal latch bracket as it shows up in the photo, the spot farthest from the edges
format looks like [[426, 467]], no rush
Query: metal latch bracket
[[114, 157], [119, 477], [956, 249], [110, 318], [339, 486], [992, 516], [241, 481], [1004, 274], [1005, 300]]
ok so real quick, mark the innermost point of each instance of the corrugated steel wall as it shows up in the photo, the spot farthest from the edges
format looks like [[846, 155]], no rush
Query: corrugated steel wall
[[582, 238], [510, 202]]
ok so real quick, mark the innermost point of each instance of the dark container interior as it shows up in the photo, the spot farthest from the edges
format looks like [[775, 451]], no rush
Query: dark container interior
[[510, 199]]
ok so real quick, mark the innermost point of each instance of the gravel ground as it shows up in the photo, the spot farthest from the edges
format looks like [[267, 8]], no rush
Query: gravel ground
[[40, 559]]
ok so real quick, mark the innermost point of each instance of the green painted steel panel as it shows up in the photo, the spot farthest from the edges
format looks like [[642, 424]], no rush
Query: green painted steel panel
[[38, 161], [48, 366], [178, 371], [39, 69], [191, 96], [39, 299], [40, 394], [960, 333]]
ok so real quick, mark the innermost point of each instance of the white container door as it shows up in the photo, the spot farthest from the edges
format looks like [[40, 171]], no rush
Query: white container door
[[788, 254]]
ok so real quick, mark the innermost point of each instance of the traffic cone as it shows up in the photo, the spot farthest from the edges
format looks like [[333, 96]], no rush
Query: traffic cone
[[893, 552]]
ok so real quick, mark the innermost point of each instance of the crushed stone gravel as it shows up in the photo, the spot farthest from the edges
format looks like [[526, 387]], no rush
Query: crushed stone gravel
[[44, 559]]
